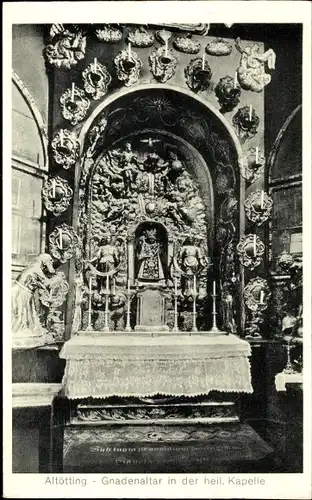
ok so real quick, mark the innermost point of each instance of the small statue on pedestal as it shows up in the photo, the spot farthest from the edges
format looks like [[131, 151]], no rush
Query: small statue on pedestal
[[106, 259], [26, 324], [151, 267]]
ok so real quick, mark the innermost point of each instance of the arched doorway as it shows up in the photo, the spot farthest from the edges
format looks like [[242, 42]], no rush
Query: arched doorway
[[162, 122]]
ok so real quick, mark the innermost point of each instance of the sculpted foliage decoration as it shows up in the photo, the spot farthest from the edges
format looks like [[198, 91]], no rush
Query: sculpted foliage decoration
[[251, 72], [74, 105], [186, 44], [96, 80], [128, 67], [258, 207], [227, 93], [66, 46], [250, 251], [163, 64], [65, 148], [219, 47], [198, 75], [141, 37], [109, 34], [246, 122], [56, 195], [63, 242]]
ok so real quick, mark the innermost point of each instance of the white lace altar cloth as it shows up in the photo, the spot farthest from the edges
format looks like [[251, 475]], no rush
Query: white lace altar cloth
[[140, 366]]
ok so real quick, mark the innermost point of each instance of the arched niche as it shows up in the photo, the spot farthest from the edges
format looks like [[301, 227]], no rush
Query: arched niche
[[202, 133]]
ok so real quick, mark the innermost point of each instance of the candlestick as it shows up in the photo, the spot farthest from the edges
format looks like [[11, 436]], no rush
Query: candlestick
[[194, 284], [107, 284], [53, 188], [128, 327], [175, 286], [129, 50], [61, 239], [89, 327], [95, 64], [73, 92], [262, 297], [262, 200], [235, 80], [203, 62], [175, 327], [106, 327], [250, 112], [113, 286], [61, 137], [214, 288], [255, 245], [257, 155]]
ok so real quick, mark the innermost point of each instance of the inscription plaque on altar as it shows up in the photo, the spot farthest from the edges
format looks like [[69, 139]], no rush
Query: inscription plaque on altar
[[155, 448], [151, 311]]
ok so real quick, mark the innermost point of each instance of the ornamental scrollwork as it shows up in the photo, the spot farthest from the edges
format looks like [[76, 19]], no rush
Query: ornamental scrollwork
[[74, 104], [257, 294], [251, 72], [186, 44], [198, 75], [56, 195], [227, 93], [96, 80], [109, 34], [65, 148], [163, 64], [246, 122], [252, 165], [219, 47], [141, 37], [63, 242], [250, 251], [258, 207], [128, 66], [66, 47]]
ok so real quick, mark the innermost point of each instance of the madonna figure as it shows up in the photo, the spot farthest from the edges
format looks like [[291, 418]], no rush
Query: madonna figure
[[150, 267]]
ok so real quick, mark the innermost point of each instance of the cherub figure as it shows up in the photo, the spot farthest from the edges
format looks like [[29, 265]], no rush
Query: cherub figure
[[67, 47], [251, 72]]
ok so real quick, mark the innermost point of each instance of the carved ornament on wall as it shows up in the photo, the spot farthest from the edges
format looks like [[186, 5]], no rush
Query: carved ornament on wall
[[109, 34], [96, 80], [74, 104], [246, 122], [198, 75], [219, 47], [54, 296], [66, 47], [227, 93], [250, 251], [128, 66], [251, 72], [56, 195], [252, 165], [163, 64], [258, 207], [63, 242], [65, 148], [257, 294], [141, 37], [186, 44]]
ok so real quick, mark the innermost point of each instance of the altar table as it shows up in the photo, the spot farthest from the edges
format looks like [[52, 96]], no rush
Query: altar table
[[139, 366]]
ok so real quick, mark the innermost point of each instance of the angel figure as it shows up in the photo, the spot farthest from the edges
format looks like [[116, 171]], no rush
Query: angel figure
[[67, 47], [251, 72]]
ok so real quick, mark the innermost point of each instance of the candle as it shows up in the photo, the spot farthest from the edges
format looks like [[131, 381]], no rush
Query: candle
[[214, 288], [61, 136], [53, 188], [114, 287], [61, 239], [129, 50], [235, 80], [95, 64], [128, 285], [175, 286], [166, 48], [262, 297], [250, 112], [195, 284], [262, 200], [107, 283], [73, 92], [257, 155], [255, 245], [203, 63]]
